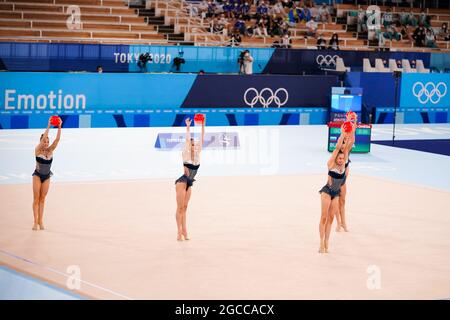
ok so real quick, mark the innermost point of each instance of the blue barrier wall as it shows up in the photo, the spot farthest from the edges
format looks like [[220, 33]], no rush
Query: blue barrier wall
[[124, 58], [260, 91], [378, 88], [440, 61], [296, 61], [422, 98], [122, 100], [425, 90], [210, 59]]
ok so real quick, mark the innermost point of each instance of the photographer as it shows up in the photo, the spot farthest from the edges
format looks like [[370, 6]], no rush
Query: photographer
[[245, 61], [144, 58], [178, 61]]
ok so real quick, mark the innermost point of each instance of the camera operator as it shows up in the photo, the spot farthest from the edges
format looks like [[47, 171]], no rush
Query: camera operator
[[245, 63], [179, 60], [144, 58]]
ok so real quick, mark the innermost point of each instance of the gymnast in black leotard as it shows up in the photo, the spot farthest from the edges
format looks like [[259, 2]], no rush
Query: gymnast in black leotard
[[183, 185], [41, 175], [330, 192], [346, 149]]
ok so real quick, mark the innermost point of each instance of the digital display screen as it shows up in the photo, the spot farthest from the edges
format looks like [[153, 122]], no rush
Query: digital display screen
[[362, 137], [345, 102], [346, 99]]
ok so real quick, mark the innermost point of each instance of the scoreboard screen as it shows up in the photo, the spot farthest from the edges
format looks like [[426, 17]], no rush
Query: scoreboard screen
[[362, 137]]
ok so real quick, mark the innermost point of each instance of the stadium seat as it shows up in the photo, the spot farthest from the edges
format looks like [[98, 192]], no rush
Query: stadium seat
[[340, 66], [420, 67], [406, 66], [379, 66], [367, 67], [393, 66]]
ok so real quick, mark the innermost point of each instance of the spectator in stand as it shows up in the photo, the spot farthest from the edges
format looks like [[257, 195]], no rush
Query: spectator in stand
[[215, 26], [193, 10], [261, 28], [430, 39], [277, 9], [314, 11], [203, 9], [311, 26], [321, 43], [219, 8], [362, 21], [334, 42], [224, 23], [240, 27], [406, 34], [223, 20], [293, 16], [392, 33], [305, 14], [261, 10], [424, 19], [236, 10], [287, 3], [324, 13], [211, 9], [419, 36], [284, 27], [235, 39], [388, 18], [99, 69], [245, 10], [286, 42], [412, 19], [443, 33], [403, 17], [275, 26], [228, 10]]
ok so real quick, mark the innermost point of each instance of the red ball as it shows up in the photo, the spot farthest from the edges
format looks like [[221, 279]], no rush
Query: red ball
[[347, 127], [55, 120], [199, 118]]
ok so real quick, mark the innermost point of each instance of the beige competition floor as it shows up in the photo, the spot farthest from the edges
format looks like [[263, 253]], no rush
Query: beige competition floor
[[253, 237]]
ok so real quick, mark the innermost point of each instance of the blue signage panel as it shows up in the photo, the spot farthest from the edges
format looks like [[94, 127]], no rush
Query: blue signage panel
[[91, 91], [425, 90], [262, 91], [213, 140], [85, 100], [22, 56]]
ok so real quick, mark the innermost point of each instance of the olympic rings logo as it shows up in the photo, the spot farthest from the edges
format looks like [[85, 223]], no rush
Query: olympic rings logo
[[266, 97], [327, 60], [429, 92]]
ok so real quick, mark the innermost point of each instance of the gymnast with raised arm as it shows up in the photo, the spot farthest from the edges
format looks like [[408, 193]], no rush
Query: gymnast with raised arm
[[41, 175], [329, 194], [346, 148], [191, 163]]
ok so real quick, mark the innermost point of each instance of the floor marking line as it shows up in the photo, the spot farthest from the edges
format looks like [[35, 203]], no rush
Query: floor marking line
[[62, 273]]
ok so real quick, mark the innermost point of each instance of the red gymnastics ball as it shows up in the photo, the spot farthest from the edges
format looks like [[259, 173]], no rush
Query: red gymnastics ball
[[55, 120], [347, 127], [199, 118]]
